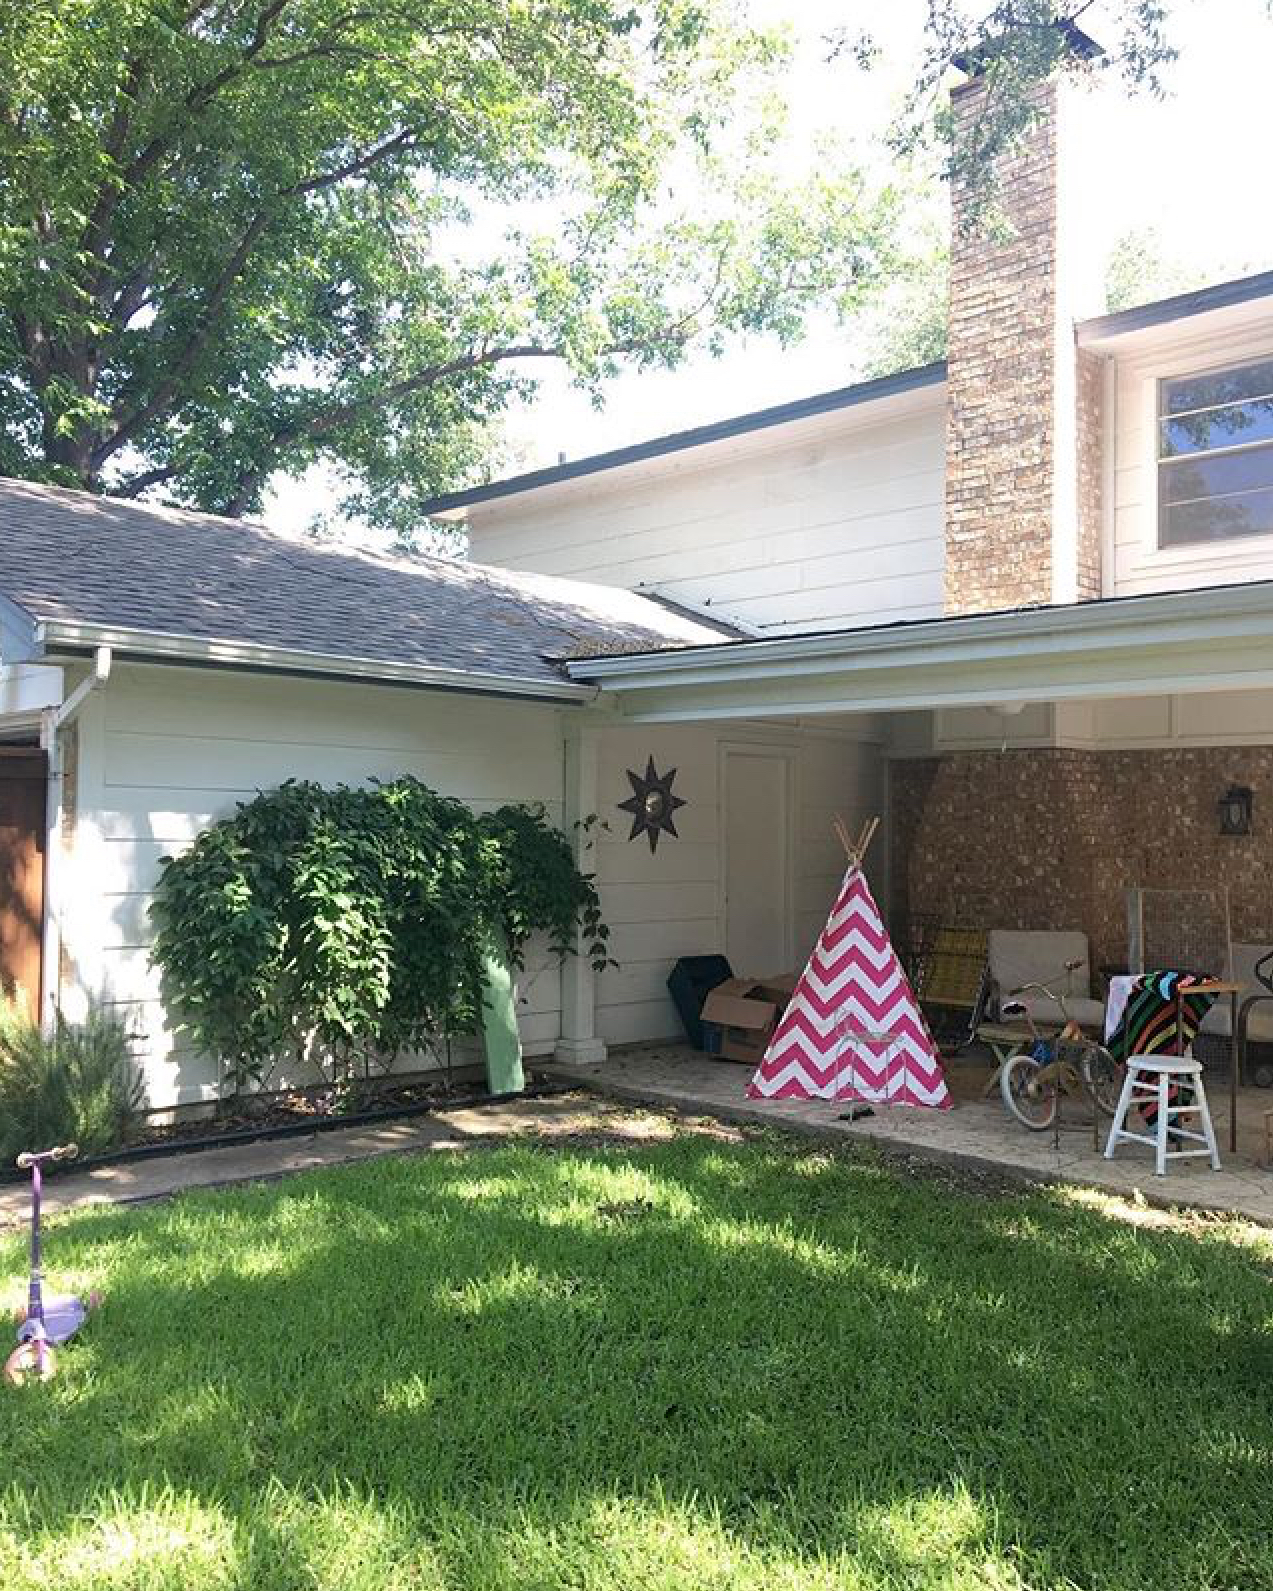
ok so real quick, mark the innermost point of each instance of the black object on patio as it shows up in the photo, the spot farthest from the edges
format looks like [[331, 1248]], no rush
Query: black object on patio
[[689, 983]]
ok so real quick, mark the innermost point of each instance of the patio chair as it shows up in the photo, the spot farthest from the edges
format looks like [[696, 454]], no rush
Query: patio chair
[[1018, 956], [949, 971]]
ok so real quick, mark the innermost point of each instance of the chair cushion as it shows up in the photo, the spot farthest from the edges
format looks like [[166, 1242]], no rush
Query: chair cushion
[[1019, 956], [1088, 1013]]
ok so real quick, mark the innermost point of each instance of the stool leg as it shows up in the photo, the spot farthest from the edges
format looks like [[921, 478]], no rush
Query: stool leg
[[1120, 1114], [1209, 1132], [1160, 1147]]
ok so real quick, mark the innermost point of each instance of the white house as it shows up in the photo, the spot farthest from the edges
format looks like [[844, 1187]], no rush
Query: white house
[[1020, 604]]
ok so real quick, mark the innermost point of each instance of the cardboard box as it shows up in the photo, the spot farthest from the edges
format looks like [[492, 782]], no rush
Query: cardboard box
[[744, 1013]]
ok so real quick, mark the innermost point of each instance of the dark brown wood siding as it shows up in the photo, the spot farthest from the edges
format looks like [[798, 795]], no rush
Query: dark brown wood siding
[[22, 817]]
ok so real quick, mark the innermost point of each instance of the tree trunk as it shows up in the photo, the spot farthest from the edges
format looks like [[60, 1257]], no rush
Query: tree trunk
[[73, 453]]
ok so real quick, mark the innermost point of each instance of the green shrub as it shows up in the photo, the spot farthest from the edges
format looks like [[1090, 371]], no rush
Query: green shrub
[[347, 926], [77, 1086]]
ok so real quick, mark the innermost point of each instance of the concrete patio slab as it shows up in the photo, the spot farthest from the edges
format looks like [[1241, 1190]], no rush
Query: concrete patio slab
[[976, 1132]]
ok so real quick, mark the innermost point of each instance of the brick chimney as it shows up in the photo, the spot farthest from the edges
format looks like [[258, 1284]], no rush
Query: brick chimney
[[1024, 418]]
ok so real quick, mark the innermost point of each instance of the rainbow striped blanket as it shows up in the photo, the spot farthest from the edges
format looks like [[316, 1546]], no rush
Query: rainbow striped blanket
[[1148, 1023]]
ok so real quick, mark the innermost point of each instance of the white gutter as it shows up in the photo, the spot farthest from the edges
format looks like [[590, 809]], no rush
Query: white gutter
[[55, 635], [1168, 619], [55, 719]]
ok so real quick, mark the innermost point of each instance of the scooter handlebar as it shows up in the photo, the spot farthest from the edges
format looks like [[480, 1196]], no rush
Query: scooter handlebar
[[62, 1152]]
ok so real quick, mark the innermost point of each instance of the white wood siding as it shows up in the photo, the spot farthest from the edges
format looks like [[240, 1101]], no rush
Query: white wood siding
[[670, 903], [1121, 723], [812, 526], [1137, 564], [163, 752]]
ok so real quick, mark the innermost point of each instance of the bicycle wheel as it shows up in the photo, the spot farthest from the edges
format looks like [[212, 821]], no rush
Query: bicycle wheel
[[1104, 1078], [1029, 1093]]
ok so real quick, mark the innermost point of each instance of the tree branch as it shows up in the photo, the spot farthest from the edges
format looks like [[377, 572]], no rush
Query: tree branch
[[325, 421], [169, 389], [357, 167], [197, 99], [135, 485], [132, 295]]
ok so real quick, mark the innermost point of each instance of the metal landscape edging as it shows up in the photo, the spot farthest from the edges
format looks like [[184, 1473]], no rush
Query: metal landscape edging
[[300, 1129]]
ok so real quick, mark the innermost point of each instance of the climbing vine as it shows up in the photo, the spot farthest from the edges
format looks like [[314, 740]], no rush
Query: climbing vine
[[347, 926]]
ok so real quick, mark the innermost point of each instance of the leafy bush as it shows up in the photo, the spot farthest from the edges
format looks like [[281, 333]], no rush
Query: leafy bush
[[346, 926], [78, 1086]]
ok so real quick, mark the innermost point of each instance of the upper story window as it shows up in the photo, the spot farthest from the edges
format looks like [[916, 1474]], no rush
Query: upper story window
[[1215, 455]]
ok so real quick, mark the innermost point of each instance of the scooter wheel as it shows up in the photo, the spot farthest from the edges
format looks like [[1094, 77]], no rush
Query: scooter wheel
[[30, 1361]]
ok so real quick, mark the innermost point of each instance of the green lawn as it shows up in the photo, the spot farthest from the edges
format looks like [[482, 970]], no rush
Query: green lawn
[[687, 1364]]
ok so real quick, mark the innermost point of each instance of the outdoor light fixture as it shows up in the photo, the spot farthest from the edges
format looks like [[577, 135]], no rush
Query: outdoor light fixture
[[1235, 810]]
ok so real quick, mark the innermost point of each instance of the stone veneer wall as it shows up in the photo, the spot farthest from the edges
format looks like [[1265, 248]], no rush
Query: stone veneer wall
[[1001, 369], [1053, 838], [1090, 397]]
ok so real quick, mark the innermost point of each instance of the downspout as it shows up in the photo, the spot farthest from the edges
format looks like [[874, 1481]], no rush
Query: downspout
[[54, 720]]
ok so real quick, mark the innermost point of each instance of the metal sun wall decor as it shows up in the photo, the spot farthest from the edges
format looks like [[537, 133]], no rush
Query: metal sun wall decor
[[652, 804]]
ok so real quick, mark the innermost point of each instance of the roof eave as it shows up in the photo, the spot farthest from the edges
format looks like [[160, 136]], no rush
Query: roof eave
[[55, 637], [1102, 329], [971, 643], [452, 504]]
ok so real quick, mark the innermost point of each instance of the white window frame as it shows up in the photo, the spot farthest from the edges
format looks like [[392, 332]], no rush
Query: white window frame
[[1158, 385], [1134, 562]]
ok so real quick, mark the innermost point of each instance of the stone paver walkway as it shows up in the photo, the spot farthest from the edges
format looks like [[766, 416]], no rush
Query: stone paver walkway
[[977, 1132], [138, 1181]]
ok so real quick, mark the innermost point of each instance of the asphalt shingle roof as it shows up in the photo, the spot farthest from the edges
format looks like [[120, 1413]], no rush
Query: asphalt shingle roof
[[73, 557]]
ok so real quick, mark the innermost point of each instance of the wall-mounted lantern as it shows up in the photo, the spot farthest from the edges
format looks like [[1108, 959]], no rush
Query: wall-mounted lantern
[[1235, 810]]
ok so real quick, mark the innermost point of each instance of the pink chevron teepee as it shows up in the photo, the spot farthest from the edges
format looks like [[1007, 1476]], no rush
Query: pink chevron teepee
[[853, 1029]]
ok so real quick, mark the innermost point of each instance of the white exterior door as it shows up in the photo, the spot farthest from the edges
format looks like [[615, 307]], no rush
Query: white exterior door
[[756, 791]]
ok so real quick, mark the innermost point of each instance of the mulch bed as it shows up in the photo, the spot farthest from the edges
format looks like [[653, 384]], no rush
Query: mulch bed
[[306, 1107]]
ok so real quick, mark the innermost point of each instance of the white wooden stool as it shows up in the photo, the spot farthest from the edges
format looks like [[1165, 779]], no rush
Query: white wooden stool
[[1148, 1081]]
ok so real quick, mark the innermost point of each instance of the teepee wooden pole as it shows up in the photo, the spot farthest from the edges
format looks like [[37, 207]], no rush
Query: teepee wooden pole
[[854, 849]]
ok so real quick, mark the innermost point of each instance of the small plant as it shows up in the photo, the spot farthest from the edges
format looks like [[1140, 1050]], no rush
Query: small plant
[[76, 1085]]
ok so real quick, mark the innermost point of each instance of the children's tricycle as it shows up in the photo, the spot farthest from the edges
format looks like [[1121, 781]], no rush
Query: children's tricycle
[[44, 1321]]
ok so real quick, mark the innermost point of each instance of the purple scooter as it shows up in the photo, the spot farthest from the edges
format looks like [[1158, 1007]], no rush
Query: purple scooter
[[44, 1322]]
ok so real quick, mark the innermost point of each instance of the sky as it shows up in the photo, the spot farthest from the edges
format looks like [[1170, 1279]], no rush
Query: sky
[[1191, 165]]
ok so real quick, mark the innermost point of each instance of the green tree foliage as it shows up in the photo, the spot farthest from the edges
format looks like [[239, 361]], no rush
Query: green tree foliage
[[238, 237], [347, 926], [1142, 268], [1018, 45], [905, 327]]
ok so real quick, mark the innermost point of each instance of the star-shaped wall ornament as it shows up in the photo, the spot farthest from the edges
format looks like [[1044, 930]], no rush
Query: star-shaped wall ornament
[[652, 804]]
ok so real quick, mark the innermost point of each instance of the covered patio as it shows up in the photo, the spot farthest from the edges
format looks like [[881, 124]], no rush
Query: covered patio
[[1031, 768]]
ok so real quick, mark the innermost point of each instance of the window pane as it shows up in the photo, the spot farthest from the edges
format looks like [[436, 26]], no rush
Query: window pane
[[1187, 480], [1212, 428], [1216, 387], [1215, 519]]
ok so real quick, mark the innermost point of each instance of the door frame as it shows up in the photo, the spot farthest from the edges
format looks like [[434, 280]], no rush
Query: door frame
[[37, 774], [790, 756]]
